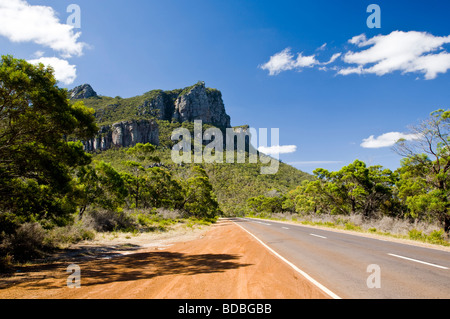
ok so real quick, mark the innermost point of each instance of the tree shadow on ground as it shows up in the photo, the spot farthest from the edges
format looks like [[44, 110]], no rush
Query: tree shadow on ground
[[147, 265]]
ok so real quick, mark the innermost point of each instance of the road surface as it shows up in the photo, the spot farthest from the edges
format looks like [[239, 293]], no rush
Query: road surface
[[355, 266]]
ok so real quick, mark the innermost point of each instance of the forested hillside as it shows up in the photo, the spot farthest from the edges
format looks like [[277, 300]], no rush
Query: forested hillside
[[56, 190]]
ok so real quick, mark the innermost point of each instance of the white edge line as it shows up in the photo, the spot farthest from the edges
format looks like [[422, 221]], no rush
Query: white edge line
[[318, 236], [304, 274], [418, 261]]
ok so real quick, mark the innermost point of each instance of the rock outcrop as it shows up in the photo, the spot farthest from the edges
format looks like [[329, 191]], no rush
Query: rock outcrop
[[193, 103], [200, 103], [124, 134], [196, 102], [161, 106], [84, 91]]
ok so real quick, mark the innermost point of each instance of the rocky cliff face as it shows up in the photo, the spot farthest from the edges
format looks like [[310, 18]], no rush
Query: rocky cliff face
[[200, 103], [194, 103], [124, 134], [161, 106]]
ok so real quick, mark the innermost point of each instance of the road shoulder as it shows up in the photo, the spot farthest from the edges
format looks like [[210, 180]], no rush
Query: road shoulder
[[224, 263]]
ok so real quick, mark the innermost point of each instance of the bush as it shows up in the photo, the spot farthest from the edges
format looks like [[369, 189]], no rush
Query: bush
[[170, 214], [25, 244], [107, 220], [62, 236], [31, 241], [436, 237], [415, 234], [6, 264], [351, 226], [160, 219]]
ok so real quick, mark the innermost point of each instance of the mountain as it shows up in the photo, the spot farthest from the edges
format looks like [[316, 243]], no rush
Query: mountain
[[152, 117], [125, 122]]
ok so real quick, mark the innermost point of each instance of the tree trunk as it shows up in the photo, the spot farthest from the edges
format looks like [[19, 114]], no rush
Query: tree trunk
[[80, 214], [447, 223]]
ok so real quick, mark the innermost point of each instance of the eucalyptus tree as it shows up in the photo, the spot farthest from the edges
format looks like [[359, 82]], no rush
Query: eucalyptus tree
[[424, 181], [39, 142]]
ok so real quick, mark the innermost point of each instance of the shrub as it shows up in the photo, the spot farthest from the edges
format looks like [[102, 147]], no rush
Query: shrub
[[6, 264], [351, 226], [25, 244], [436, 237], [144, 220], [165, 213], [107, 220], [62, 236], [415, 234]]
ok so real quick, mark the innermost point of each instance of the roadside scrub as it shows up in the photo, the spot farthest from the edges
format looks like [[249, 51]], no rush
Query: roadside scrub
[[32, 241], [385, 226]]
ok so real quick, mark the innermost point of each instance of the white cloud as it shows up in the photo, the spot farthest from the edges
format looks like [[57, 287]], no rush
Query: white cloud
[[277, 149], [284, 61], [38, 54], [358, 39], [64, 72], [333, 58], [399, 51], [305, 61], [347, 71], [387, 139], [279, 62], [22, 22], [322, 47], [406, 52]]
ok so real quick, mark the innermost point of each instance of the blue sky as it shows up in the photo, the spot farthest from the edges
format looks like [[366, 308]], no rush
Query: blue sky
[[325, 109]]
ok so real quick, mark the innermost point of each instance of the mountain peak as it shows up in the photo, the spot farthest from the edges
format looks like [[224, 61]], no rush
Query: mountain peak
[[83, 91]]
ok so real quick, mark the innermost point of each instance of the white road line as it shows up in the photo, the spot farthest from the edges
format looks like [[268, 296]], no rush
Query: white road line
[[418, 261], [284, 227], [304, 274], [318, 236]]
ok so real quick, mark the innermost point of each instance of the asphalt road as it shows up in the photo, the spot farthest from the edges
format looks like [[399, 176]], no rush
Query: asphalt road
[[354, 267]]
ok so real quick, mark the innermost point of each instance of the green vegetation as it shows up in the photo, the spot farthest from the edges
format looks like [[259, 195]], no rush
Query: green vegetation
[[232, 184], [54, 194], [38, 154], [419, 191], [355, 189], [109, 110]]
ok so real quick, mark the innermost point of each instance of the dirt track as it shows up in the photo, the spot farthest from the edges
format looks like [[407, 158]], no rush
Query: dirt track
[[225, 263]]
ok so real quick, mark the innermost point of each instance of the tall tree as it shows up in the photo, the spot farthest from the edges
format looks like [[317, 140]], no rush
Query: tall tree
[[101, 185], [425, 171], [357, 189], [200, 199], [38, 147], [139, 154]]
